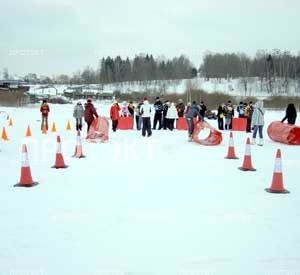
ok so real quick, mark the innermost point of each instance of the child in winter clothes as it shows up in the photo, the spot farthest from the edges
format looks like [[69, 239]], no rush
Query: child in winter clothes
[[45, 111], [78, 115], [257, 122], [124, 110], [89, 113], [114, 115], [172, 114]]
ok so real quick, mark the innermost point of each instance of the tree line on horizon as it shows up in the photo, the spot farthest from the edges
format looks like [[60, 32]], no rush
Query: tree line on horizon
[[144, 67]]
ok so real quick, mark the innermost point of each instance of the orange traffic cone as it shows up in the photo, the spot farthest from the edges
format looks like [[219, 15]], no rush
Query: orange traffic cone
[[231, 151], [247, 164], [10, 122], [78, 149], [68, 125], [277, 181], [4, 134], [25, 178], [59, 159], [53, 127], [28, 132]]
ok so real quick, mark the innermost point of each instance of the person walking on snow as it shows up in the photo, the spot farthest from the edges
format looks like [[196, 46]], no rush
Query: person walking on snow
[[172, 114], [89, 113], [78, 115], [257, 122], [290, 114], [114, 115], [45, 111], [194, 111], [145, 111]]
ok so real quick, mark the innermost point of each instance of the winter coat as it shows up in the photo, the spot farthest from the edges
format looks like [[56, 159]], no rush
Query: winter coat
[[89, 112], [78, 111], [44, 109], [193, 112], [290, 114], [145, 110], [138, 109], [165, 109], [158, 106], [124, 111], [258, 114], [114, 112], [220, 113], [229, 112], [202, 110], [131, 109], [172, 112], [180, 109]]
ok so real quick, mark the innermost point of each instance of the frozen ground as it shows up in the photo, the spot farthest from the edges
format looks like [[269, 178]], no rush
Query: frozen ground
[[158, 205]]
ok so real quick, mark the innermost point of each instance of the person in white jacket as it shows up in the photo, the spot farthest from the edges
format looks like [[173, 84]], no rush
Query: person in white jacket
[[145, 112], [172, 114]]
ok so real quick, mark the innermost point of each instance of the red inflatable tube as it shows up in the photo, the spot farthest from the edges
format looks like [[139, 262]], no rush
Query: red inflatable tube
[[125, 123], [284, 133], [214, 138]]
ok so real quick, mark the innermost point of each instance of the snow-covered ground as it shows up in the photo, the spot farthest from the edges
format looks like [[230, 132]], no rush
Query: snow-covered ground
[[134, 205]]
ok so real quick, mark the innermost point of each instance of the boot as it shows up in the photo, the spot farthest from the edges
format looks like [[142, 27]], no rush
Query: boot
[[253, 142], [261, 142]]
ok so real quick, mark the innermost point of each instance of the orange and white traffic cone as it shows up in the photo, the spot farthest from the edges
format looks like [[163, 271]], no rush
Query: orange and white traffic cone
[[68, 127], [10, 122], [59, 159], [53, 129], [25, 178], [231, 151], [28, 132], [277, 181], [4, 134], [247, 164], [78, 149]]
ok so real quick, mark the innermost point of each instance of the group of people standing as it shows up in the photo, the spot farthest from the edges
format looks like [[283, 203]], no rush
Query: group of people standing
[[166, 113]]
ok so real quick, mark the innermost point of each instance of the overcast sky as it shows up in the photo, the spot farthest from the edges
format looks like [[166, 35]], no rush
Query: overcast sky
[[62, 36]]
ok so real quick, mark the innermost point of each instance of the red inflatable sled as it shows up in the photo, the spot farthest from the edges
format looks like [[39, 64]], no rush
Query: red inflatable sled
[[284, 133], [214, 138], [125, 123], [98, 130], [239, 124]]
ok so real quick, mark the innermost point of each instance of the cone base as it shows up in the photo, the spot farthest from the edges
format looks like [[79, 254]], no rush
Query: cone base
[[79, 157], [60, 167], [247, 169], [231, 158], [284, 191], [26, 185]]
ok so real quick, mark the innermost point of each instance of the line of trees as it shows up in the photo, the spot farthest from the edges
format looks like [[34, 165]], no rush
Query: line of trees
[[276, 63], [141, 68]]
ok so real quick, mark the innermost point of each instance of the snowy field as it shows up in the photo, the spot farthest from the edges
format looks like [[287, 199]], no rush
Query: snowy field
[[135, 205]]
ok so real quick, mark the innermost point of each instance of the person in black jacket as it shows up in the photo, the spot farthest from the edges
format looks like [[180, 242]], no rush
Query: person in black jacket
[[193, 111], [220, 117], [180, 108], [165, 111], [158, 107], [290, 114], [202, 109]]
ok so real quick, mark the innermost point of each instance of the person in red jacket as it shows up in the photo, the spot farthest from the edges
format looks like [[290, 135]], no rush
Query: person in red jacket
[[89, 113], [45, 111], [114, 115]]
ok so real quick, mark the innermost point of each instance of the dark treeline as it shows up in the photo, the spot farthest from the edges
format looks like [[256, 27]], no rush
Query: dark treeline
[[278, 64], [141, 68], [145, 68]]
